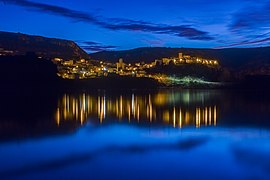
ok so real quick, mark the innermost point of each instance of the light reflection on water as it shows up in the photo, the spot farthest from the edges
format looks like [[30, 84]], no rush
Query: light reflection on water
[[165, 134], [175, 108]]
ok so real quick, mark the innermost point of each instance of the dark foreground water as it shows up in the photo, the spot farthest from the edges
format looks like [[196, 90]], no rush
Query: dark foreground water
[[161, 134]]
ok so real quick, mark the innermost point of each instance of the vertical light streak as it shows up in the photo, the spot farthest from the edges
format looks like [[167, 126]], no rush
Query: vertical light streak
[[210, 116], [121, 107], [57, 116], [206, 116], [180, 118], [215, 116], [174, 117], [104, 106]]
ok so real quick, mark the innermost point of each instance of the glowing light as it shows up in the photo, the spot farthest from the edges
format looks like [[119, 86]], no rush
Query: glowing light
[[166, 116], [82, 116], [98, 108], [197, 118], [206, 114], [174, 117], [180, 118], [104, 106], [215, 116], [210, 118], [132, 104], [138, 113], [57, 116], [150, 108], [77, 109], [129, 113], [199, 114], [84, 102], [121, 107], [140, 108], [187, 117]]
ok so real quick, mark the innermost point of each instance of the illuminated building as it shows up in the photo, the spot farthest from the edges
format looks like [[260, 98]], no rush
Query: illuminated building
[[120, 65], [166, 61], [68, 63], [83, 69], [180, 55]]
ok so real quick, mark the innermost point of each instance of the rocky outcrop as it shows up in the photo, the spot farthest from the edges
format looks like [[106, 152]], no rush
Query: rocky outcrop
[[21, 44]]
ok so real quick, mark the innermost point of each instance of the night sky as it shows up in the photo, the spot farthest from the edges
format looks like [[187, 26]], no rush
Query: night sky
[[116, 25]]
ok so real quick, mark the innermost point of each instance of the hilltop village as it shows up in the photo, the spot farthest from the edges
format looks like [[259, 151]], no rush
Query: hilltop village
[[84, 69]]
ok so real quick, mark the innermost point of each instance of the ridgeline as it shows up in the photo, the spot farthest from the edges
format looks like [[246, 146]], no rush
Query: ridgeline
[[22, 44], [234, 58]]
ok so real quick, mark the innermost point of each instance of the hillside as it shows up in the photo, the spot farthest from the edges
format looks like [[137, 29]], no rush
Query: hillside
[[233, 58], [22, 44]]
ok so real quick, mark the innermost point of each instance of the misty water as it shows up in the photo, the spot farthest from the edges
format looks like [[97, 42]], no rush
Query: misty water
[[155, 134]]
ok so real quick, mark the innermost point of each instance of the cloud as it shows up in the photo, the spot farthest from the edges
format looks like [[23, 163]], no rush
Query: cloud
[[186, 31], [95, 46], [181, 31], [255, 19], [251, 25], [260, 41], [154, 42]]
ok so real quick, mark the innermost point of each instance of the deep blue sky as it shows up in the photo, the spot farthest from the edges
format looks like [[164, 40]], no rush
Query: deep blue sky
[[122, 24]]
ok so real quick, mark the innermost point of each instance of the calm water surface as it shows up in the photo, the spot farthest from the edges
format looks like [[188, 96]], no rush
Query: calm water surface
[[161, 134]]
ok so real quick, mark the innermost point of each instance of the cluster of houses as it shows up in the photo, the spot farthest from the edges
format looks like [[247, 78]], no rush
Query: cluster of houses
[[84, 69]]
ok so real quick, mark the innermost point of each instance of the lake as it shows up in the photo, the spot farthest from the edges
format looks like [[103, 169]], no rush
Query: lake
[[133, 134]]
